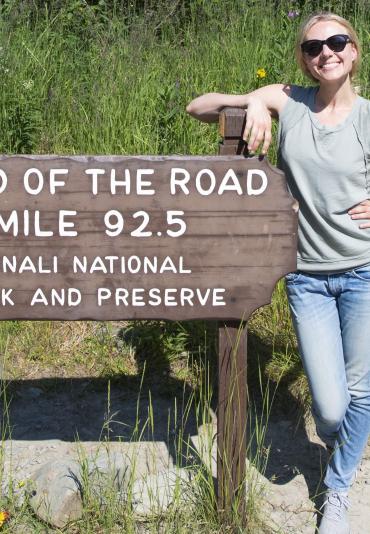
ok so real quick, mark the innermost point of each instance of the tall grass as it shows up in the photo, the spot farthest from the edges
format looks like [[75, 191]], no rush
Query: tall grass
[[114, 78], [109, 505]]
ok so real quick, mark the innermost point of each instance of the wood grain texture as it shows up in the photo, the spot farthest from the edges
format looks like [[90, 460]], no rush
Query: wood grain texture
[[232, 122], [240, 243], [232, 419], [232, 357]]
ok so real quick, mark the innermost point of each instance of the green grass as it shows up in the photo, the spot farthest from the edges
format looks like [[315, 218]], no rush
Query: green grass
[[113, 77], [79, 80], [106, 509]]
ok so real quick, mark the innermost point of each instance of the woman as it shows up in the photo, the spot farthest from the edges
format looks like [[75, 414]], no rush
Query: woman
[[324, 150]]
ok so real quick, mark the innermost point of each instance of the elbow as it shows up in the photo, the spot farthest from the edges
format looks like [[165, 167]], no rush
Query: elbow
[[199, 109], [190, 109], [198, 106]]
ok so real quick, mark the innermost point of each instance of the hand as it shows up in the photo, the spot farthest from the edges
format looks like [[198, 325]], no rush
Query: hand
[[361, 211], [258, 126]]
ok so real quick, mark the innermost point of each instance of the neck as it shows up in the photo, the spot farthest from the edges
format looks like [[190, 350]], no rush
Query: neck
[[335, 95]]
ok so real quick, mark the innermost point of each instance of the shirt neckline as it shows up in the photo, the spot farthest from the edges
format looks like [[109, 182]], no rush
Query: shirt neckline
[[327, 127]]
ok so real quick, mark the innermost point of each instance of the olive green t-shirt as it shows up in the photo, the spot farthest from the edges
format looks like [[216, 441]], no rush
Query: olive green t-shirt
[[327, 170]]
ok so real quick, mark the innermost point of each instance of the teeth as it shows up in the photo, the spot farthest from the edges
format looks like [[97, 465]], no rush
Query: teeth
[[329, 66]]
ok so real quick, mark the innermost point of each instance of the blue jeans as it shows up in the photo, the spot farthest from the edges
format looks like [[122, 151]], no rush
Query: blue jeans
[[331, 317]]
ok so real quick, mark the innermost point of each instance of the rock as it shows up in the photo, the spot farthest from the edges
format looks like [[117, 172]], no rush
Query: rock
[[56, 495], [21, 527], [58, 485], [150, 458], [289, 506], [155, 493], [109, 470]]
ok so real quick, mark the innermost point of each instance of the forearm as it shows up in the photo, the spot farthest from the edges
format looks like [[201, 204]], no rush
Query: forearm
[[208, 106]]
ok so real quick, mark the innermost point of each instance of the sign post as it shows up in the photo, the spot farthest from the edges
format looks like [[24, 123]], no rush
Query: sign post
[[232, 363], [232, 369], [173, 238], [232, 418]]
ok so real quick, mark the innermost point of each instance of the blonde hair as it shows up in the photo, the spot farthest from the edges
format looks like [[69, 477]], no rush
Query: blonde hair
[[323, 17]]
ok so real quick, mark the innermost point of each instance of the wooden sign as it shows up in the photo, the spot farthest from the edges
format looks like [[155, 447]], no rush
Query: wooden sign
[[111, 237]]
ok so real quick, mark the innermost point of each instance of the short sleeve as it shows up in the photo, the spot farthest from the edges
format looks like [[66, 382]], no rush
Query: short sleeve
[[295, 107], [362, 126]]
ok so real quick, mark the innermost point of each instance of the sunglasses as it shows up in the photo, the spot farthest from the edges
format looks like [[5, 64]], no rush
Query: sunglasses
[[336, 43]]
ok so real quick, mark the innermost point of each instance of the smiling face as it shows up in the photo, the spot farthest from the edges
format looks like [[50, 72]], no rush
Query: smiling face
[[329, 66]]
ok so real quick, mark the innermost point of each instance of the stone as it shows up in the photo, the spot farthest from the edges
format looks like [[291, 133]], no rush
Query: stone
[[21, 527], [56, 493], [153, 494], [205, 445], [109, 470], [289, 506]]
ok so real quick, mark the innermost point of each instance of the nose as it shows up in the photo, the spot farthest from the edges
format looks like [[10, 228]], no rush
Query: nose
[[326, 51]]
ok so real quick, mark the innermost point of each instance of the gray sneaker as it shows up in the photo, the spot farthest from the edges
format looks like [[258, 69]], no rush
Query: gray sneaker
[[335, 519]]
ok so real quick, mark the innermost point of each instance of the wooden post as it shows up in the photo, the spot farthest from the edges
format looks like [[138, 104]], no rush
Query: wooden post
[[232, 372], [231, 127], [231, 418]]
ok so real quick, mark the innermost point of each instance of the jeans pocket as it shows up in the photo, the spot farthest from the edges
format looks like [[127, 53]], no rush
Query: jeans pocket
[[292, 278], [362, 273]]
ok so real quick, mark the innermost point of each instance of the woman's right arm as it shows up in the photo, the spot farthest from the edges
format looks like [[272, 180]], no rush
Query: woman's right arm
[[262, 104]]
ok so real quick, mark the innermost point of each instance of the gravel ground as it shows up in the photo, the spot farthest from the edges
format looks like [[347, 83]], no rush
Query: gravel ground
[[46, 416]]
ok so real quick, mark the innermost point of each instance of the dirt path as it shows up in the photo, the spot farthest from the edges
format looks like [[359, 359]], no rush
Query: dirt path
[[47, 415], [296, 460]]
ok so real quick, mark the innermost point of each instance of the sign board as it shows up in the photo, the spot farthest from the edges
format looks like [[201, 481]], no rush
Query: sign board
[[112, 238], [141, 237]]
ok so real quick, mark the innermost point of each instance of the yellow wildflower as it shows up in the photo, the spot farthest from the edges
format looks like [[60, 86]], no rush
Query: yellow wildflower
[[261, 73], [4, 516]]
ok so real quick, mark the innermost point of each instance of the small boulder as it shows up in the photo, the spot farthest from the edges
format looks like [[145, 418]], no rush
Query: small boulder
[[154, 493], [56, 493], [58, 486]]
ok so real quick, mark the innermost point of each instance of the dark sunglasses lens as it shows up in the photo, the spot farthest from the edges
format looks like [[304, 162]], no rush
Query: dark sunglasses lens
[[312, 48], [337, 43]]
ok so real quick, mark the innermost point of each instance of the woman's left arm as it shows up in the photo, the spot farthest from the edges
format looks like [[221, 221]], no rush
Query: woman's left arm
[[361, 211]]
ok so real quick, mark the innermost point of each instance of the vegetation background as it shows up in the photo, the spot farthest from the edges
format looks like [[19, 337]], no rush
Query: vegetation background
[[114, 77]]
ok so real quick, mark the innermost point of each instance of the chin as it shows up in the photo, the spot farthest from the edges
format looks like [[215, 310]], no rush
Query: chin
[[331, 76]]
